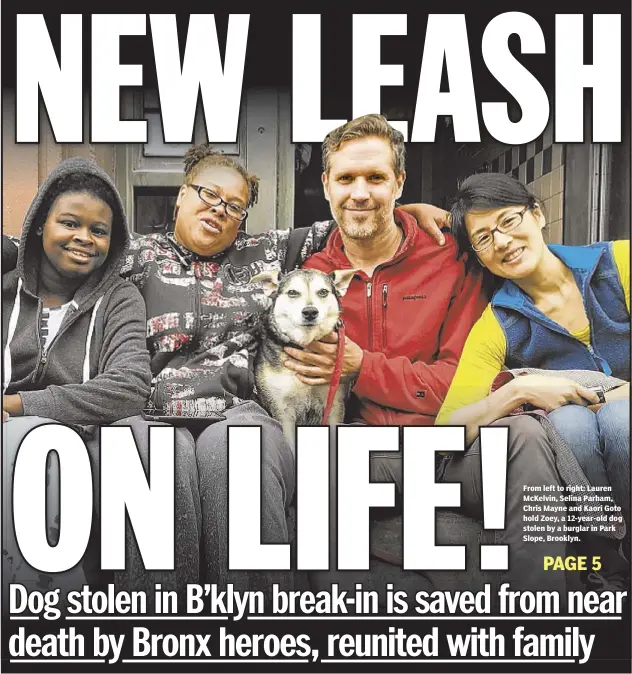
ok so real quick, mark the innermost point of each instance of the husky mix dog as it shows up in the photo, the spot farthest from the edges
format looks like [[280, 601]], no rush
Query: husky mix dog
[[305, 306]]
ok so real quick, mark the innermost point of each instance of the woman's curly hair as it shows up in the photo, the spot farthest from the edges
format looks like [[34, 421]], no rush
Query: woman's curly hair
[[202, 156]]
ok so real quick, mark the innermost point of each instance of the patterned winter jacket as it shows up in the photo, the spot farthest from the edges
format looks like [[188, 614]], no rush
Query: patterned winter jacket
[[202, 316]]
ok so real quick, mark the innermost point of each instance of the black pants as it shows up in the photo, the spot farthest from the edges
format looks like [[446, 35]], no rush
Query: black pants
[[530, 463]]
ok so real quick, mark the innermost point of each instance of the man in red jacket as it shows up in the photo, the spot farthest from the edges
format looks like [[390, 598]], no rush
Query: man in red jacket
[[409, 307], [408, 311]]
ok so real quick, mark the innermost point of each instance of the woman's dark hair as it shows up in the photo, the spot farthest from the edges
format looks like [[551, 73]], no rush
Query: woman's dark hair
[[484, 192], [202, 156], [79, 183]]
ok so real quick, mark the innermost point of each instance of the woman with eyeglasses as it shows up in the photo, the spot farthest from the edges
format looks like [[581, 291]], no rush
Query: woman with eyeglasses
[[201, 334], [202, 316], [556, 308]]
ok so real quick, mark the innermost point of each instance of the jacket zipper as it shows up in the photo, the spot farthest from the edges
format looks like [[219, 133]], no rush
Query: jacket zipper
[[555, 327], [41, 356], [198, 302], [599, 361], [384, 307], [68, 320], [369, 289], [43, 353]]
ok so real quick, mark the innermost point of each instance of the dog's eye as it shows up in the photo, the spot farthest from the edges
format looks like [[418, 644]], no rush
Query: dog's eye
[[323, 292], [293, 293]]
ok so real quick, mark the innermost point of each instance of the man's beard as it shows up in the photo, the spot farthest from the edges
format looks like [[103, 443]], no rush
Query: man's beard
[[360, 229]]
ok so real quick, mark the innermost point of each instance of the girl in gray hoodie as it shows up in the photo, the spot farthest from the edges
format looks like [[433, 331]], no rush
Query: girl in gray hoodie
[[73, 331]]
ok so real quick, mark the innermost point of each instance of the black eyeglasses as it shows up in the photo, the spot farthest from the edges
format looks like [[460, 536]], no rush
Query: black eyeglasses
[[484, 240], [213, 199]]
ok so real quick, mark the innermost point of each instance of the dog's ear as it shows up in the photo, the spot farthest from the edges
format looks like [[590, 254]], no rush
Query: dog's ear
[[269, 281], [342, 279]]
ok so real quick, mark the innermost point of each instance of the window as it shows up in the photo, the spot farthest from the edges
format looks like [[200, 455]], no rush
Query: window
[[153, 209]]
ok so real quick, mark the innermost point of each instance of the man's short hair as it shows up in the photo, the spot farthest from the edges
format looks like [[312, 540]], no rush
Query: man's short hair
[[362, 127]]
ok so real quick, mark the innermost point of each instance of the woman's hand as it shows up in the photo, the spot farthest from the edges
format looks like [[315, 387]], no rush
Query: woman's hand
[[12, 406], [314, 365], [549, 393], [620, 393], [429, 218]]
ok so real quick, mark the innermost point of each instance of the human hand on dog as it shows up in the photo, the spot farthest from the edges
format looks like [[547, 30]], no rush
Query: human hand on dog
[[315, 364]]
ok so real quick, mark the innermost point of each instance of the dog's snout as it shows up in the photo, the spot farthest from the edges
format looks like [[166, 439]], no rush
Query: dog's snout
[[309, 313]]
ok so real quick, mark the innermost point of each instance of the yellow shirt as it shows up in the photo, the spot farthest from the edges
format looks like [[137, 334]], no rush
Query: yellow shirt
[[485, 350]]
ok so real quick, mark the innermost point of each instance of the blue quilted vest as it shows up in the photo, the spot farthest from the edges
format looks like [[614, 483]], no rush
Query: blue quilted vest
[[534, 340]]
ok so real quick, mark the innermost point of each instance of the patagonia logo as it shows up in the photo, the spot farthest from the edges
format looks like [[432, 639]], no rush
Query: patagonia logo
[[414, 297]]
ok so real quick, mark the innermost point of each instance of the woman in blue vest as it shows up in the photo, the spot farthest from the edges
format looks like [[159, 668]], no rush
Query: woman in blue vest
[[558, 308]]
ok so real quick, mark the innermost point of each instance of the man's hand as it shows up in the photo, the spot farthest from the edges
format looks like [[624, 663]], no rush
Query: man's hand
[[12, 405], [430, 219], [315, 364]]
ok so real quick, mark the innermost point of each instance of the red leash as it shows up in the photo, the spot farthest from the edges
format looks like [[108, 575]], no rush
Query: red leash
[[337, 373]]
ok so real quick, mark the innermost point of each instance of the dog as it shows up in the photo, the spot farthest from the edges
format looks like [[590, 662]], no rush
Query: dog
[[305, 306]]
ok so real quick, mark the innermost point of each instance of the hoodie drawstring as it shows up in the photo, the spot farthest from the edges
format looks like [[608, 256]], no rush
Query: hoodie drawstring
[[13, 321], [86, 360]]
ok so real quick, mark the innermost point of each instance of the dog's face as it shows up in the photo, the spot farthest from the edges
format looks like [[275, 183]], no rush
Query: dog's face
[[305, 302]]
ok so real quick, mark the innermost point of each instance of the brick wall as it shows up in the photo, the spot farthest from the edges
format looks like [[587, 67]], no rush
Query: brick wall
[[539, 165]]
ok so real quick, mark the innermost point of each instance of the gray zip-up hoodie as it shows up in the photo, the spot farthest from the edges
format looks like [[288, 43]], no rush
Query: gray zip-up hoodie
[[96, 369]]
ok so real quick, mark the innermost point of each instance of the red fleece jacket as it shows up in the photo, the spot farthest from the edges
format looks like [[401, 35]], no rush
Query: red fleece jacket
[[411, 318]]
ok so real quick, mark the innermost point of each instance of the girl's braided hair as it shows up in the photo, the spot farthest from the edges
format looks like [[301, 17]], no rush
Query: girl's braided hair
[[202, 156]]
